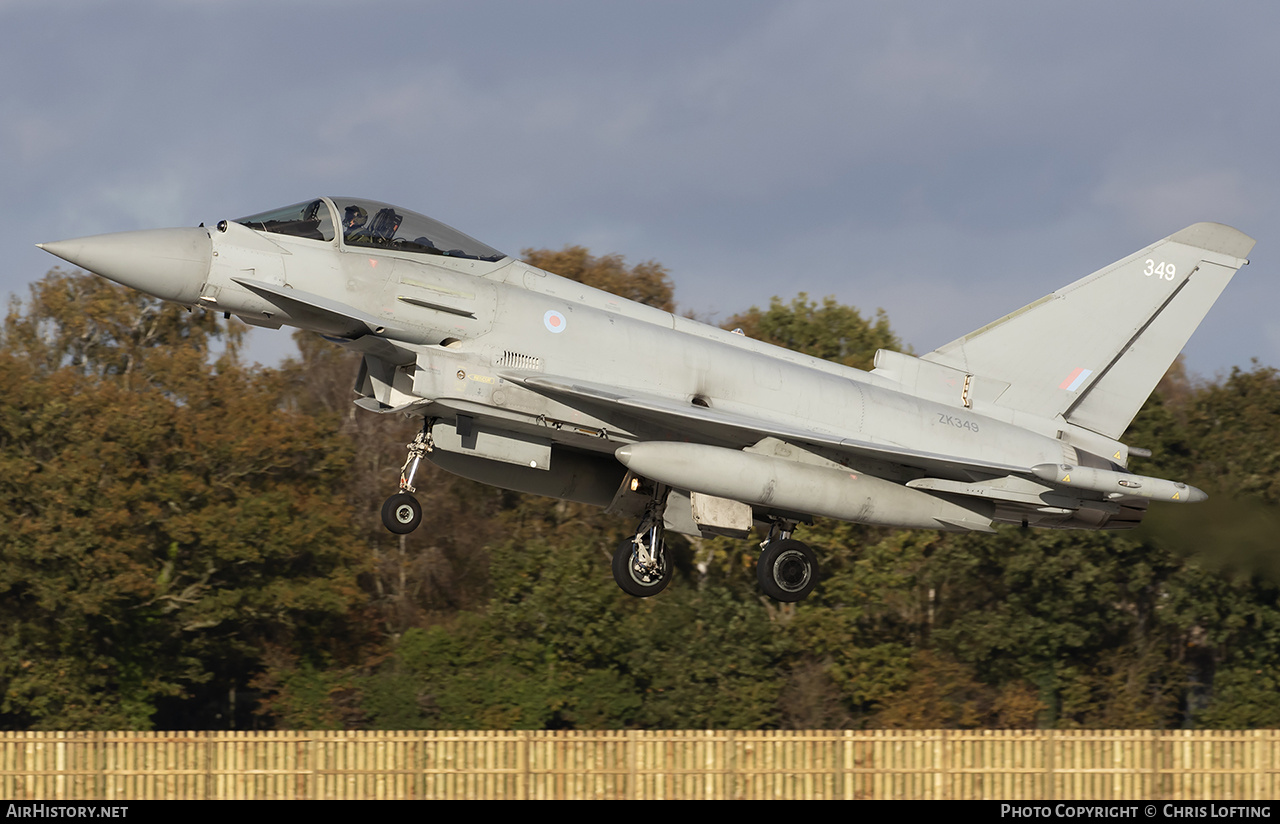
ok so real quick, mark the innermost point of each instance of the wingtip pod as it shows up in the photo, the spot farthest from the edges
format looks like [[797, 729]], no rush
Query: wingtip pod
[[1216, 237], [1118, 484]]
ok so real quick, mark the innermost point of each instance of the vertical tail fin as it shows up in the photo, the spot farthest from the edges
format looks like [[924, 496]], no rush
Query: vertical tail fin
[[1094, 350]]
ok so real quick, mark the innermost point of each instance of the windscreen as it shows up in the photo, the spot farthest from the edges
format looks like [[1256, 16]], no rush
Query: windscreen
[[310, 220]]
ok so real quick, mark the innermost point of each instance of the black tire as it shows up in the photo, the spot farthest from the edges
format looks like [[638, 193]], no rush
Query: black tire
[[787, 570], [636, 581], [401, 513]]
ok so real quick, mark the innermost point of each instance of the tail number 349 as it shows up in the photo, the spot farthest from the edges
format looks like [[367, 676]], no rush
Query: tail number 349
[[1162, 270]]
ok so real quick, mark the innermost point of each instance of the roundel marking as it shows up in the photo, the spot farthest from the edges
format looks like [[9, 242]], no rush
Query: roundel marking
[[554, 321]]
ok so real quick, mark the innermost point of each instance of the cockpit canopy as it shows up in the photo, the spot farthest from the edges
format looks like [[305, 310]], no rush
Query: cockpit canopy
[[373, 224]]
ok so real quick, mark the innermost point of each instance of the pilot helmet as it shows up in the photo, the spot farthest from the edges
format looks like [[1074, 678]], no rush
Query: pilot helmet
[[354, 218]]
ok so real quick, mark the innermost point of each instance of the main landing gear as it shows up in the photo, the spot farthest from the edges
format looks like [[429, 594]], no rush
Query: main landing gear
[[787, 569], [641, 564], [402, 513]]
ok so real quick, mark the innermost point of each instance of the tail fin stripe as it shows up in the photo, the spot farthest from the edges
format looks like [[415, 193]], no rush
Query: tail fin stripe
[[1075, 379]]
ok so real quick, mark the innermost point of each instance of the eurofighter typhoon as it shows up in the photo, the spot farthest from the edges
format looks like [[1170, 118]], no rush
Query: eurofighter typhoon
[[533, 382]]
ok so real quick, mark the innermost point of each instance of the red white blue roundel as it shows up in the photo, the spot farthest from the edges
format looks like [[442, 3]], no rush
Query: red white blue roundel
[[554, 321]]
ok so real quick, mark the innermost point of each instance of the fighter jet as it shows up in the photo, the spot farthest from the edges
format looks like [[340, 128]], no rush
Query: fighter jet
[[532, 382]]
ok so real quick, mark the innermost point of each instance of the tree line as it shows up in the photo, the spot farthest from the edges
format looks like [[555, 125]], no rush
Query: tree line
[[190, 541]]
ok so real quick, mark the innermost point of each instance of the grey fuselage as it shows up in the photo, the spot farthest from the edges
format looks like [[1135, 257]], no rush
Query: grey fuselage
[[472, 326], [539, 383]]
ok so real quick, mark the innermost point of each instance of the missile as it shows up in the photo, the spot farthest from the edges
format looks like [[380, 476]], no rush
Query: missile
[[1117, 484], [791, 486]]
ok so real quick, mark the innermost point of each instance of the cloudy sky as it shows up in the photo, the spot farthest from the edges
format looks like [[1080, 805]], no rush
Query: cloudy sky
[[947, 161]]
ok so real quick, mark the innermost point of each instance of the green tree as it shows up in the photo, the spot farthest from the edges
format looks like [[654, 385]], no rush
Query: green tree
[[830, 331], [544, 653], [560, 646], [1234, 425], [167, 520], [442, 566], [648, 283]]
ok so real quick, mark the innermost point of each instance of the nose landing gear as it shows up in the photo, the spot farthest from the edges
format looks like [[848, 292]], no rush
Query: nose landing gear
[[641, 565], [401, 513]]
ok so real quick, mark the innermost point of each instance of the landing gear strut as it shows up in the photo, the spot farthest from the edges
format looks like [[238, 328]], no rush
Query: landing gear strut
[[787, 569], [401, 513], [641, 565]]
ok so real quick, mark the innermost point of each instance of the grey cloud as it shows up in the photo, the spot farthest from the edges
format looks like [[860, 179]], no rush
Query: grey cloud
[[941, 160]]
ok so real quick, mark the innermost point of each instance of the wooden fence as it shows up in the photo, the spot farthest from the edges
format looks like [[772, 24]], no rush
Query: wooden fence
[[876, 764]]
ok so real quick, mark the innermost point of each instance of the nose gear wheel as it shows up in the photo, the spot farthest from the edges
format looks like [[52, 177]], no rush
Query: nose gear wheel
[[639, 571], [401, 513], [641, 565]]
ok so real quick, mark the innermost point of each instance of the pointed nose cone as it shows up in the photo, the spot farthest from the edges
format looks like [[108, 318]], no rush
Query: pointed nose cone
[[172, 264]]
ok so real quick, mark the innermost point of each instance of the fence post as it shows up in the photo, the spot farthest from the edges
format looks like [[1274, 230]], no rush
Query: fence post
[[633, 755], [1050, 752], [523, 778]]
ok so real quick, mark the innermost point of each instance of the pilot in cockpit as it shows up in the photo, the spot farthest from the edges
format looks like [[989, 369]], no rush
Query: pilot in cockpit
[[354, 219]]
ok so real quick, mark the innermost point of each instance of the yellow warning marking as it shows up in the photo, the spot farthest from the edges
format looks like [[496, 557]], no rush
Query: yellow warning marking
[[1117, 455], [1067, 480], [1175, 496]]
